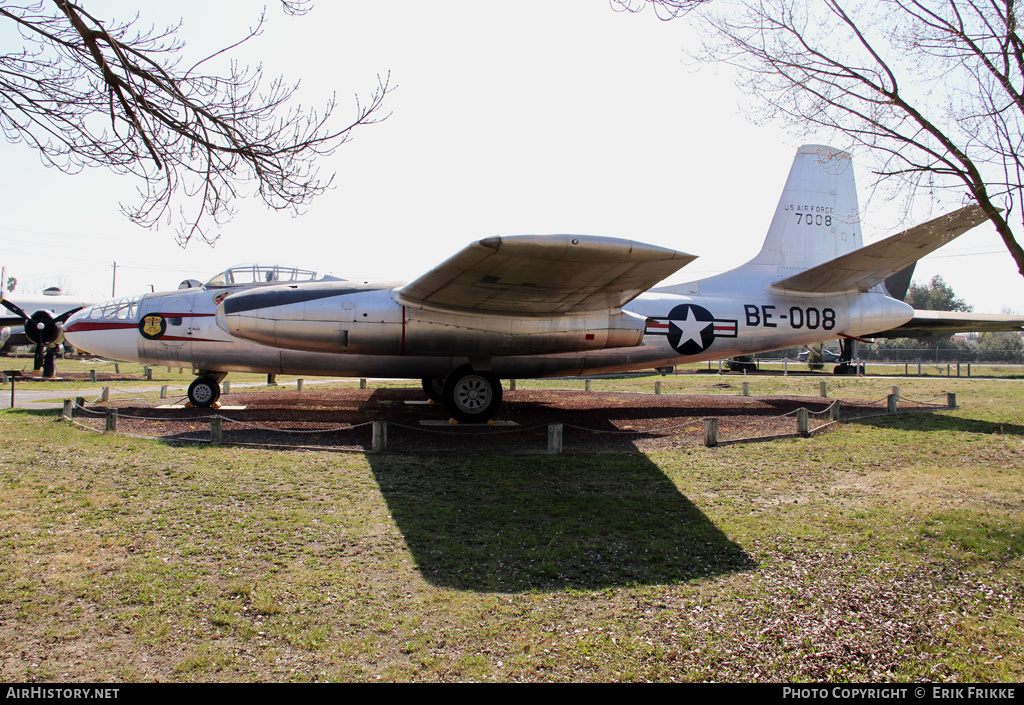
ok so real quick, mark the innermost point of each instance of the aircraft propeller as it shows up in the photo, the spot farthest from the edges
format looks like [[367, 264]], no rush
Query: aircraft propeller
[[45, 330]]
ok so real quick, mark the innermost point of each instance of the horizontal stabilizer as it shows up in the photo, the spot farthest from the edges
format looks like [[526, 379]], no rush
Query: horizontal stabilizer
[[544, 275], [930, 324], [864, 268]]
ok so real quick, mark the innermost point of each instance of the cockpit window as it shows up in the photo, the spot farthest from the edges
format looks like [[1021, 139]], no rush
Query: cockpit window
[[256, 274], [119, 309]]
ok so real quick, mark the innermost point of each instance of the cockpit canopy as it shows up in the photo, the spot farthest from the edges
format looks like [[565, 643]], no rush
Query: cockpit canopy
[[248, 275], [122, 309]]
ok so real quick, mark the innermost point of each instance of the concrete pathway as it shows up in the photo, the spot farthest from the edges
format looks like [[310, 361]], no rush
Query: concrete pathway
[[27, 398]]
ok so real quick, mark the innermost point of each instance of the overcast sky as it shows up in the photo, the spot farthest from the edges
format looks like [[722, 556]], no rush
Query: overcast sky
[[506, 118]]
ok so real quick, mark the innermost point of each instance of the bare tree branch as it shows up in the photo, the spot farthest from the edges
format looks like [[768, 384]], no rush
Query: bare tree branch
[[85, 92], [665, 9], [935, 88]]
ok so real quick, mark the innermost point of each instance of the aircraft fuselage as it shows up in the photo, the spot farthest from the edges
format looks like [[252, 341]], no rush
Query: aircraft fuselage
[[364, 330]]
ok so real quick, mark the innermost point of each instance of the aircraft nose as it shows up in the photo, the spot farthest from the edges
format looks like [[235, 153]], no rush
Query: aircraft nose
[[116, 339]]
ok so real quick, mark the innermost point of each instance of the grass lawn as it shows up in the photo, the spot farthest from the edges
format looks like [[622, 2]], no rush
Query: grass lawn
[[886, 549]]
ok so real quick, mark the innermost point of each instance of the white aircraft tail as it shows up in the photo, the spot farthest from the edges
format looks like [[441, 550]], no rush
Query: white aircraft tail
[[818, 218], [814, 244]]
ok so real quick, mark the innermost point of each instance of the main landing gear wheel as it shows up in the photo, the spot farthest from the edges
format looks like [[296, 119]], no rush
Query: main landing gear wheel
[[471, 397], [203, 392], [433, 387]]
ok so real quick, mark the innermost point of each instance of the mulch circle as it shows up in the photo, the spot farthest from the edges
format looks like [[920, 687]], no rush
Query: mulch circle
[[592, 421]]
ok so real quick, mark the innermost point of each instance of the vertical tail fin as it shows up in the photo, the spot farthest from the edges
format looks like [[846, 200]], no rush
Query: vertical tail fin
[[817, 218]]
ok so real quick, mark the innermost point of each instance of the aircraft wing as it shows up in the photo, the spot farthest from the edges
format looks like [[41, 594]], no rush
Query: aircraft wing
[[862, 269], [544, 275], [930, 324]]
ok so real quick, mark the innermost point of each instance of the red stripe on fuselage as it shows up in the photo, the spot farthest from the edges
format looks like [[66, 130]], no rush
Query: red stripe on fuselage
[[82, 326]]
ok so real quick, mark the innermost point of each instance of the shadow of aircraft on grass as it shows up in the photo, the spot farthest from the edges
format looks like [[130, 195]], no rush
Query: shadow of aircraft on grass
[[513, 524]]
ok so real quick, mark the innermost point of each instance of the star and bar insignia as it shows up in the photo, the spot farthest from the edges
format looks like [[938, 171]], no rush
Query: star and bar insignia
[[691, 329]]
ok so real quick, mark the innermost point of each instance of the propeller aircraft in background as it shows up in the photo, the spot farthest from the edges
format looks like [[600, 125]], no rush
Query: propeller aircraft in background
[[547, 305], [38, 321]]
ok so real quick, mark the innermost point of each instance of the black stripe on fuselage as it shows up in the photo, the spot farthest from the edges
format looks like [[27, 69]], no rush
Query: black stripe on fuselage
[[251, 300]]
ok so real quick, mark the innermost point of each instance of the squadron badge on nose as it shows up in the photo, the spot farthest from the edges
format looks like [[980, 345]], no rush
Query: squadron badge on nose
[[153, 326]]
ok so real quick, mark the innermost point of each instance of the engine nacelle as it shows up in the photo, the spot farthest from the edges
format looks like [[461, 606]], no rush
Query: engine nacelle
[[345, 318]]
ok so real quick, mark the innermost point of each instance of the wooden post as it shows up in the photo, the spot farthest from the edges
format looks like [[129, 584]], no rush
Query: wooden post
[[719, 367], [511, 385], [785, 367], [968, 369], [554, 438], [168, 369], [111, 418], [822, 388], [298, 384], [918, 367], [957, 369], [746, 388], [834, 415], [802, 422], [891, 402], [149, 373], [951, 400], [379, 443], [105, 394], [657, 387], [117, 368], [163, 392], [225, 387], [711, 432], [896, 392], [216, 430], [586, 385], [362, 383], [92, 375], [69, 410]]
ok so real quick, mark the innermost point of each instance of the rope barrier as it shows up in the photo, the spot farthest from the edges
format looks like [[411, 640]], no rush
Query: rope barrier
[[633, 431], [732, 421], [350, 427]]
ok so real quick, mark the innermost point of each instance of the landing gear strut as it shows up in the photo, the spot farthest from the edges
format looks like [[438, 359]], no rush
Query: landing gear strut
[[847, 348], [49, 362]]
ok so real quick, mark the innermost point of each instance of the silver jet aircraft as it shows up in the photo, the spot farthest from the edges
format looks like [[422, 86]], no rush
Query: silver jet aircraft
[[545, 305]]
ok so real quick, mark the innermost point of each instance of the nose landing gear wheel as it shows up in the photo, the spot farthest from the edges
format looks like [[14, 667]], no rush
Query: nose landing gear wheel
[[471, 397], [203, 392]]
